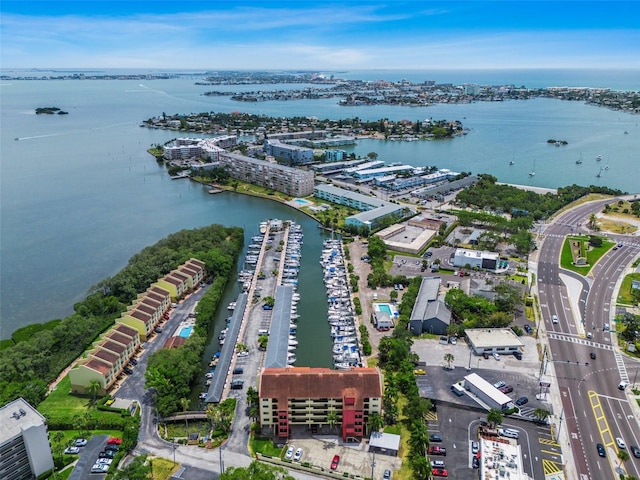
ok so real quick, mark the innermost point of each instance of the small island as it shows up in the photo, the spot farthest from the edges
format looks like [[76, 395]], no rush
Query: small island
[[50, 111], [557, 143]]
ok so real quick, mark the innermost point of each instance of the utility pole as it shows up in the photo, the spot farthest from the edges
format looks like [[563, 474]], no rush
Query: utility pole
[[560, 425], [221, 462], [373, 463]]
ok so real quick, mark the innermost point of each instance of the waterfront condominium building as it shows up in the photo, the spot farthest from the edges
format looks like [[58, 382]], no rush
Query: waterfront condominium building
[[304, 397], [292, 154], [289, 180], [25, 451]]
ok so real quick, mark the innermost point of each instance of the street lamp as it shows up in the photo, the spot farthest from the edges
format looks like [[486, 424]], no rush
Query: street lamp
[[373, 463], [221, 462]]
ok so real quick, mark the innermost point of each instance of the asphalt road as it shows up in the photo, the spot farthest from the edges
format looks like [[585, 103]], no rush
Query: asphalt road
[[594, 410]]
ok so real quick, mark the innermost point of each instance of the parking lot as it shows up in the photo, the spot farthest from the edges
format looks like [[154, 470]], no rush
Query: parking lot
[[354, 457]]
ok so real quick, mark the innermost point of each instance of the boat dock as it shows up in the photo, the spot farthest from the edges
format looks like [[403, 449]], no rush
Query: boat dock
[[270, 270]]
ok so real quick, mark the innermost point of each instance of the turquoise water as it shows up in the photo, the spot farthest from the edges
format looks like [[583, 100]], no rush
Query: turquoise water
[[301, 201], [384, 307], [185, 332]]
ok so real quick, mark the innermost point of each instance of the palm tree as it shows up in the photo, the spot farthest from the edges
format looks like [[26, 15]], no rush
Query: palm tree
[[419, 439], [92, 389], [494, 417], [449, 358], [391, 390], [623, 456], [541, 414], [252, 395], [254, 412], [420, 466], [375, 423], [212, 412], [58, 438], [332, 418], [184, 402]]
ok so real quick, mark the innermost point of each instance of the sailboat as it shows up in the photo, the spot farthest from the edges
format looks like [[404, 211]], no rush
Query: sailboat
[[513, 162], [533, 172], [599, 173], [579, 161], [598, 158]]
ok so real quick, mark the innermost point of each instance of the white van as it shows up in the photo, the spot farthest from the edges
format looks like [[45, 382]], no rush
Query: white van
[[457, 389], [508, 432]]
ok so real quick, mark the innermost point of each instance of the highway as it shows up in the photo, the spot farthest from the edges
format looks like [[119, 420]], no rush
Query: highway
[[594, 409]]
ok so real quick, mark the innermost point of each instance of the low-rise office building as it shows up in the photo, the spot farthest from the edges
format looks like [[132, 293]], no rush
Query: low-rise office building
[[25, 451], [304, 397], [493, 340], [478, 259]]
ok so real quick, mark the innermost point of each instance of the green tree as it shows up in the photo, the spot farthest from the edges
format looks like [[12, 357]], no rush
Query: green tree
[[541, 414], [58, 442], [623, 456], [92, 389], [494, 417], [449, 358], [256, 471], [184, 403], [375, 423], [421, 466], [393, 295], [140, 468], [332, 419], [419, 439]]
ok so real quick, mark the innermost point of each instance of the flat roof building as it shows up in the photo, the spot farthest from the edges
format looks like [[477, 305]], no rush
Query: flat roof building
[[464, 258], [293, 154], [25, 451], [490, 340]]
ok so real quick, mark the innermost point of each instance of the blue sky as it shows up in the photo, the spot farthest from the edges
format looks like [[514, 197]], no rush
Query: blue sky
[[319, 35]]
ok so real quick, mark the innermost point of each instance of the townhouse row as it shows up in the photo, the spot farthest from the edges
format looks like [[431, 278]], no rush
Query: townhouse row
[[105, 361]]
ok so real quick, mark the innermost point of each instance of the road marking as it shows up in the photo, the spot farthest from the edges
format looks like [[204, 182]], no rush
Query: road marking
[[548, 441], [601, 421], [580, 340], [621, 367], [551, 467]]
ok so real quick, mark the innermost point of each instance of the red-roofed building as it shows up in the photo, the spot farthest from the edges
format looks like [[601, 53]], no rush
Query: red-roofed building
[[304, 396]]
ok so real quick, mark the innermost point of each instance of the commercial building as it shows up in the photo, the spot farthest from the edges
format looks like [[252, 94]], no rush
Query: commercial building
[[304, 397], [430, 314], [207, 148], [488, 395], [384, 443], [381, 172], [342, 196], [372, 219], [25, 451], [463, 258], [493, 340], [292, 181], [104, 362], [292, 154]]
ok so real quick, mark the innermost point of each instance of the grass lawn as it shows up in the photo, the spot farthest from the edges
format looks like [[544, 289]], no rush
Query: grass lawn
[[624, 295], [61, 404], [372, 362], [162, 468], [405, 473], [264, 446], [592, 255], [179, 429]]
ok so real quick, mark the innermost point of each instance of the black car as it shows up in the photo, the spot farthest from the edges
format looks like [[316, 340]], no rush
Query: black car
[[518, 355], [111, 447], [601, 451], [238, 371], [158, 329], [435, 438], [528, 329], [127, 370], [593, 355], [133, 361], [107, 454], [521, 401], [635, 451], [475, 462]]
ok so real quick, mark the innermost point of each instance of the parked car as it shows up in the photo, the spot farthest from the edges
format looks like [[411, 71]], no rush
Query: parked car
[[435, 438], [72, 450], [437, 464], [496, 355], [127, 370], [435, 450], [518, 355], [100, 468], [499, 384], [475, 447], [107, 454], [290, 451], [521, 401], [475, 463], [297, 455], [439, 472], [158, 329], [80, 442], [335, 462], [104, 461], [419, 371], [601, 451], [237, 384], [506, 389], [620, 443], [386, 475], [238, 371], [243, 353], [114, 441], [133, 361], [528, 329]]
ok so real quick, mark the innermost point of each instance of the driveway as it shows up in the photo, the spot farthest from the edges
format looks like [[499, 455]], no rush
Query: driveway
[[88, 456]]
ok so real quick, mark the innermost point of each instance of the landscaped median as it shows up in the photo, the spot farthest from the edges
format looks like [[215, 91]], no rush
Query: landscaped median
[[580, 253]]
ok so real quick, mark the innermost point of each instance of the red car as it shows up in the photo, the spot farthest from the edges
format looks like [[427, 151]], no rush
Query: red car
[[114, 441], [335, 462], [437, 451], [439, 472]]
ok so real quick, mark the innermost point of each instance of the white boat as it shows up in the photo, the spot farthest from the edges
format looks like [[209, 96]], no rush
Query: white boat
[[231, 306], [293, 342], [598, 158], [342, 366], [203, 395], [291, 360]]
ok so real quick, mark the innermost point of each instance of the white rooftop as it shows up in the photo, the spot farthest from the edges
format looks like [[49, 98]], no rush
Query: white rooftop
[[16, 417], [493, 337]]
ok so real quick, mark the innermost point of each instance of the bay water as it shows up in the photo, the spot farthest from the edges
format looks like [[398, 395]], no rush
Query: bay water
[[79, 195]]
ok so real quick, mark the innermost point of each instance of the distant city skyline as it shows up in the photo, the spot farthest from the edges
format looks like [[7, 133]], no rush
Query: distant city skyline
[[320, 35]]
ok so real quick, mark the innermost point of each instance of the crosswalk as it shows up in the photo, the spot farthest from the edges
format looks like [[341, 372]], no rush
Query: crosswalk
[[632, 244], [621, 367], [579, 340]]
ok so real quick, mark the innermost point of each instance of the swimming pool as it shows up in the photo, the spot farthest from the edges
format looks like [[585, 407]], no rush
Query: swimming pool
[[384, 307], [185, 332], [302, 201]]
